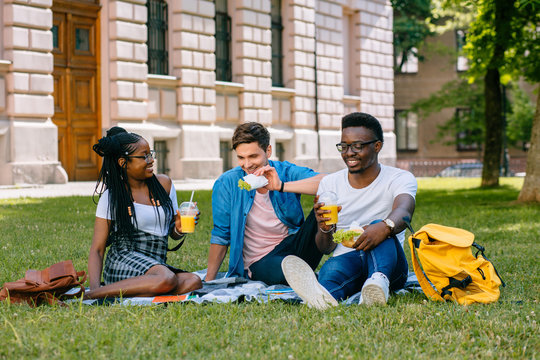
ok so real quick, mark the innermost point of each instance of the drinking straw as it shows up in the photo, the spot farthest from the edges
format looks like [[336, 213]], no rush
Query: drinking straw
[[191, 199]]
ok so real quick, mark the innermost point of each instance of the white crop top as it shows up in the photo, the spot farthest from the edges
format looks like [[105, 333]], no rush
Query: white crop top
[[147, 218]]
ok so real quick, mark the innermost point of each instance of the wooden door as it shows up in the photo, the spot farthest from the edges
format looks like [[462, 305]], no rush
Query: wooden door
[[76, 97]]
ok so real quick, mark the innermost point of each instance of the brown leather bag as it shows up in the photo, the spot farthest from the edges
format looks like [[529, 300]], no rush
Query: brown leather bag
[[45, 286]]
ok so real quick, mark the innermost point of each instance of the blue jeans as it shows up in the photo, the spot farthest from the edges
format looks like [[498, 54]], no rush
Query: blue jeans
[[344, 275]]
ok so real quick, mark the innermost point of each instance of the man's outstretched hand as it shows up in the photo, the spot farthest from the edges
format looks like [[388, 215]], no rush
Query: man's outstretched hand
[[270, 173]]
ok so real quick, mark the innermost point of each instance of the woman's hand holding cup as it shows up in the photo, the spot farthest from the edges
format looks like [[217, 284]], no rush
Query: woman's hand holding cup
[[189, 216]]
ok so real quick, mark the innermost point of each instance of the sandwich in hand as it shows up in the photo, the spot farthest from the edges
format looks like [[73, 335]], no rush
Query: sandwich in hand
[[347, 237], [252, 182]]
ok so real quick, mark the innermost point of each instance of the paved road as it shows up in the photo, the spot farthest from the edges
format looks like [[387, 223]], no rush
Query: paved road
[[84, 188]]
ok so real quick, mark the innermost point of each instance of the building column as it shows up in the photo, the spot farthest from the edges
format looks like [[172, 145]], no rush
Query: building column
[[376, 70], [330, 81], [127, 62], [252, 59], [193, 59], [31, 138]]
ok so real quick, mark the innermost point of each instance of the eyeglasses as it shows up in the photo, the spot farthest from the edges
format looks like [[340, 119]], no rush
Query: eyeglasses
[[148, 157], [356, 146]]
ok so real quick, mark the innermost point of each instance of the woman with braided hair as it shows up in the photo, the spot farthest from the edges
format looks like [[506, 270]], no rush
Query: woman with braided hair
[[136, 213]]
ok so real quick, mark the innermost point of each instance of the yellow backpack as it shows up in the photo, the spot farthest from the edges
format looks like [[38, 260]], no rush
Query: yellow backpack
[[448, 263]]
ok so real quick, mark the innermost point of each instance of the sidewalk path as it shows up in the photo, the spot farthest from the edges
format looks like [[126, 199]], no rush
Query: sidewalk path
[[83, 188]]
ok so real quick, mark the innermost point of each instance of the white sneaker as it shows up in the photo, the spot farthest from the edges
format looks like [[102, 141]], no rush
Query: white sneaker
[[375, 290], [303, 281]]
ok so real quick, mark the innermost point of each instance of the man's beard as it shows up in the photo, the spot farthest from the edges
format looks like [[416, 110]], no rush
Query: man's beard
[[359, 171]]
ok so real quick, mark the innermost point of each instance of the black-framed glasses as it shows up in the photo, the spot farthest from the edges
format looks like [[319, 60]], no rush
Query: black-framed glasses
[[148, 157], [356, 146]]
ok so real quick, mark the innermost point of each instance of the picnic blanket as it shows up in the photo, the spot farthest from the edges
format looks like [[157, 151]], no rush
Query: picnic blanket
[[233, 290]]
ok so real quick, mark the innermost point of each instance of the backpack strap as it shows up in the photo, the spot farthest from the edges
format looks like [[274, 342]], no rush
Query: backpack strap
[[183, 238], [422, 278], [481, 250], [177, 246], [455, 283], [407, 221]]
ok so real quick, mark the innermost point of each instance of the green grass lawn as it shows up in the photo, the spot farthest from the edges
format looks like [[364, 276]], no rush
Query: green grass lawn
[[36, 233]]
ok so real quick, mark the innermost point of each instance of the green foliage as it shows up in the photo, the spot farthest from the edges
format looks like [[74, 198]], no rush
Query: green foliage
[[524, 56], [451, 15], [457, 94], [38, 232], [503, 35], [411, 27], [520, 118]]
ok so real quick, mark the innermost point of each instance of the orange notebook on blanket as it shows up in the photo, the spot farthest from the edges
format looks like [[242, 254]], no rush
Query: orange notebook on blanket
[[171, 298]]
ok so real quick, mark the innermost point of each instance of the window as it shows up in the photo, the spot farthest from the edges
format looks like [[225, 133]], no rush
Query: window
[[223, 42], [158, 56], [467, 138], [462, 64], [406, 127], [410, 66], [280, 151], [54, 31], [350, 77], [82, 39], [277, 44], [160, 147], [225, 154]]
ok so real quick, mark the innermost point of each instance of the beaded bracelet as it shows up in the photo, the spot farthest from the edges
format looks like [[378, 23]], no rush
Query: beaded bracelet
[[328, 231]]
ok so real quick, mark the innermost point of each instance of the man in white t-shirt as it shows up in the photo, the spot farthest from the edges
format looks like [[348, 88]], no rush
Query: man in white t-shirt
[[377, 198]]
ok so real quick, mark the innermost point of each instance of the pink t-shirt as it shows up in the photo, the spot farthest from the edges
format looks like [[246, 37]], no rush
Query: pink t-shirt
[[263, 230]]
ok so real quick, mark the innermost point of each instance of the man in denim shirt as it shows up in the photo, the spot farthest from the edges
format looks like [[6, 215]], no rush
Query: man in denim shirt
[[261, 226]]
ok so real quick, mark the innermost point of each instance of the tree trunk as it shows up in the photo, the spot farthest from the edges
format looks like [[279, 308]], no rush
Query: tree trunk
[[530, 192], [494, 129]]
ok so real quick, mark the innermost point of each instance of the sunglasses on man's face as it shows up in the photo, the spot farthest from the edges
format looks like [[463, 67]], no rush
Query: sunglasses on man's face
[[148, 157], [356, 146]]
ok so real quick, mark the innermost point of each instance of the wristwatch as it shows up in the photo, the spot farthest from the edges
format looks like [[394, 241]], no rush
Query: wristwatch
[[390, 225]]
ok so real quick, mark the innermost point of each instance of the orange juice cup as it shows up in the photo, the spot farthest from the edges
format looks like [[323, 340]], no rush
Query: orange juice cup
[[188, 223], [333, 214], [188, 212], [329, 199]]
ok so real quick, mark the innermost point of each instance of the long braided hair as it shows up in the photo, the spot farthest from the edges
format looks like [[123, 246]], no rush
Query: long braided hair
[[118, 143]]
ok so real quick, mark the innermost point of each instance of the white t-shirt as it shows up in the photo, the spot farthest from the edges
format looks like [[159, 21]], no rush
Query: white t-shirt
[[147, 217], [370, 203]]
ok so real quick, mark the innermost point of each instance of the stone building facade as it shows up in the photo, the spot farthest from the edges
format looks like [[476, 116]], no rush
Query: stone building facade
[[69, 70]]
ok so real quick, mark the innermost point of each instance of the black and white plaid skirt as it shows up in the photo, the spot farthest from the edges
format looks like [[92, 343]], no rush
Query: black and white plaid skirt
[[128, 258]]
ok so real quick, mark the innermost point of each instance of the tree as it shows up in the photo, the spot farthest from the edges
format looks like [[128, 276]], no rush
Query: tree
[[500, 44], [520, 118], [411, 26], [530, 192], [489, 38], [529, 64]]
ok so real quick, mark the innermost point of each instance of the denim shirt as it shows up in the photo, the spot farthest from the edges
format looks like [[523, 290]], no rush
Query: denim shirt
[[231, 205]]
